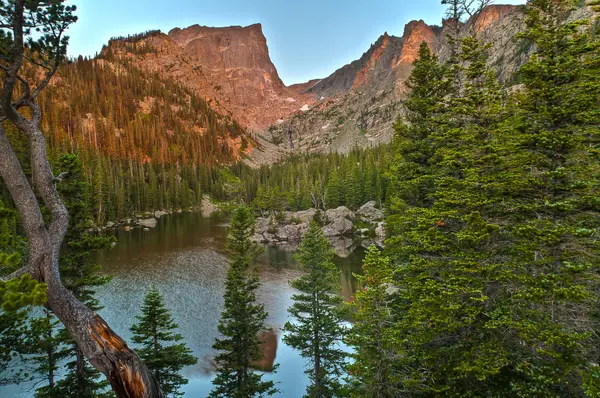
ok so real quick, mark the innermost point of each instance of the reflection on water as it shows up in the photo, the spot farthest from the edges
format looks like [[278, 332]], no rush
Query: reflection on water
[[183, 257]]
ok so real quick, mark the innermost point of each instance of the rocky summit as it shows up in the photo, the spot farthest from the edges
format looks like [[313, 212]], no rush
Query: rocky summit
[[359, 102], [230, 67], [355, 106]]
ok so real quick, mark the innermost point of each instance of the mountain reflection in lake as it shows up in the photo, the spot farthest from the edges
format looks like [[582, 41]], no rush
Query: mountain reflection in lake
[[183, 256]]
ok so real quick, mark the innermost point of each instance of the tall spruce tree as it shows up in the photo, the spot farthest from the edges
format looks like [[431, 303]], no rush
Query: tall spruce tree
[[555, 207], [317, 329], [494, 273], [439, 241], [414, 143], [242, 319], [373, 373], [161, 349]]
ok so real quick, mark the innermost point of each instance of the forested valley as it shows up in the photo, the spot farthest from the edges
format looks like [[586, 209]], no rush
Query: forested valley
[[484, 284]]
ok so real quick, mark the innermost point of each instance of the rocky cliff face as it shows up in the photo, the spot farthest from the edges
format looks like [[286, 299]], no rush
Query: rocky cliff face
[[229, 66], [359, 102], [355, 106]]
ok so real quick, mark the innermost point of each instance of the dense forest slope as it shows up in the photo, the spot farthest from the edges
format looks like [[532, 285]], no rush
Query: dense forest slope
[[146, 141]]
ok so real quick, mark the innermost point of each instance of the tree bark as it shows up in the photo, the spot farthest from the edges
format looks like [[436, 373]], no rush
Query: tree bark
[[105, 350]]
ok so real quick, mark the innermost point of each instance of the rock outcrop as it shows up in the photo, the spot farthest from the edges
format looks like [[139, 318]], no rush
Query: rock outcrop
[[338, 222], [338, 227], [341, 212], [369, 212], [148, 222]]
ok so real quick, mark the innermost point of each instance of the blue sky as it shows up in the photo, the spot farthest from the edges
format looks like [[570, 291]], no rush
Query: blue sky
[[307, 39]]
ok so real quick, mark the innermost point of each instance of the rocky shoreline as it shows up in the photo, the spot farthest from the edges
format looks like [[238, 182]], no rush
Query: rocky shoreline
[[290, 227], [149, 220]]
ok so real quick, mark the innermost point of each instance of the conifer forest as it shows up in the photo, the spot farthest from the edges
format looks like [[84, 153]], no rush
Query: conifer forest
[[424, 222]]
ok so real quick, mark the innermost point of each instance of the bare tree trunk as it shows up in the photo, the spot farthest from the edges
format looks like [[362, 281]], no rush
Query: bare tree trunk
[[105, 350]]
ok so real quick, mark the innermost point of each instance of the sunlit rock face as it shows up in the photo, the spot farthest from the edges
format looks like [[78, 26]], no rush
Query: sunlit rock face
[[230, 67]]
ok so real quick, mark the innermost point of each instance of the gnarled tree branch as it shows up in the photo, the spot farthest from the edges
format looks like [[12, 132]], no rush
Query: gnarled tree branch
[[105, 350]]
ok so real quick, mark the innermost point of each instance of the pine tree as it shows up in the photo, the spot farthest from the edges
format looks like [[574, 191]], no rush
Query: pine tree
[[555, 205], [242, 319], [16, 297], [335, 195], [492, 269], [411, 175], [160, 348], [373, 373], [440, 243], [48, 353], [318, 326]]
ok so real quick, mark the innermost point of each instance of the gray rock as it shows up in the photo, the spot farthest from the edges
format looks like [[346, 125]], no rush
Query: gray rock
[[342, 246], [369, 212], [288, 232], [341, 212], [380, 230], [148, 222], [339, 227], [262, 225], [160, 213], [110, 224], [305, 216], [259, 238], [362, 232]]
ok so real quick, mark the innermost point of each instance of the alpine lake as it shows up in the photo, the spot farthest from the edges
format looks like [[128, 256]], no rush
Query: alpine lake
[[183, 256]]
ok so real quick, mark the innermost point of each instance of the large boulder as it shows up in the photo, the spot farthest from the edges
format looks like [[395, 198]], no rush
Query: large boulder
[[148, 222], [341, 212], [262, 225], [305, 216], [160, 213], [288, 232], [338, 227], [291, 232], [369, 212]]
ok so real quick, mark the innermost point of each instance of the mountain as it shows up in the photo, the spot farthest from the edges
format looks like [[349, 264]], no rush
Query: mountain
[[229, 67], [359, 102]]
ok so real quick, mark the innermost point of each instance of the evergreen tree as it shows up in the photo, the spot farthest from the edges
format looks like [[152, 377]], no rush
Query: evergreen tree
[[335, 194], [16, 296], [373, 372], [160, 348], [48, 352], [414, 143], [317, 329], [492, 267], [242, 319], [555, 205]]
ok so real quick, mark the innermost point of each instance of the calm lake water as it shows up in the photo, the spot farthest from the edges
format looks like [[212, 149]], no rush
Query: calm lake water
[[183, 256]]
